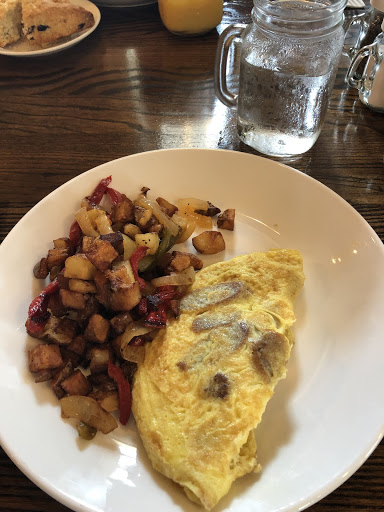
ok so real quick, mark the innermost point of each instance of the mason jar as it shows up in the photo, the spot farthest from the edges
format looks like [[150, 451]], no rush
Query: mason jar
[[289, 56]]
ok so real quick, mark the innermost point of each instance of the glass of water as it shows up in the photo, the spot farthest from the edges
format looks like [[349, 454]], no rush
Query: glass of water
[[288, 61]]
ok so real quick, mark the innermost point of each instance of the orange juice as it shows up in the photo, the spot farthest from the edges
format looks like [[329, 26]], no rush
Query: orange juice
[[190, 17]]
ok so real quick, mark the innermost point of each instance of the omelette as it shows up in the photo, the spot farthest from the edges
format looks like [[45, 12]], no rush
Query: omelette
[[206, 379]]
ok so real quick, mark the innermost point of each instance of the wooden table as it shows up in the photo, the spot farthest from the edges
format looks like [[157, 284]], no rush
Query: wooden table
[[132, 87]]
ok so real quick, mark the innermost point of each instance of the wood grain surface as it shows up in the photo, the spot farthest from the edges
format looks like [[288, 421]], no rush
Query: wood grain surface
[[131, 87]]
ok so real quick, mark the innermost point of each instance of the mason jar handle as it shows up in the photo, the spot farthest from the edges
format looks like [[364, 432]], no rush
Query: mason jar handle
[[366, 51], [224, 43], [348, 50]]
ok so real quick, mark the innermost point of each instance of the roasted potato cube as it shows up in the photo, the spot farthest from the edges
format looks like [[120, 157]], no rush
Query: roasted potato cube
[[73, 300], [109, 400], [40, 270], [149, 240], [43, 376], [166, 206], [56, 257], [89, 411], [79, 267], [120, 276], [121, 321], [182, 260], [63, 243], [78, 345], [64, 372], [99, 252], [62, 281], [114, 239], [76, 384], [97, 329], [143, 215], [44, 357], [125, 298], [99, 358], [55, 305], [123, 211], [131, 230], [80, 286], [61, 331], [209, 242], [226, 220], [83, 315]]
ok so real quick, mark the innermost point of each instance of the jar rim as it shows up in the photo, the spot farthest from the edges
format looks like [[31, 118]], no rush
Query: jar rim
[[300, 16]]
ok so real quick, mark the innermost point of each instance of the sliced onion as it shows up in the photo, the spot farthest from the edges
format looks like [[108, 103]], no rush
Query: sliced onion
[[133, 329], [186, 278], [191, 204], [84, 222], [161, 216], [191, 226], [103, 224], [129, 246]]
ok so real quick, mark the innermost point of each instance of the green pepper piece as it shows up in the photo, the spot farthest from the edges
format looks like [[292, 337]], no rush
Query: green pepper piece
[[86, 431], [166, 243]]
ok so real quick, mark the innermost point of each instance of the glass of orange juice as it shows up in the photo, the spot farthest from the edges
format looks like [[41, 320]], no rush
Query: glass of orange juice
[[190, 17]]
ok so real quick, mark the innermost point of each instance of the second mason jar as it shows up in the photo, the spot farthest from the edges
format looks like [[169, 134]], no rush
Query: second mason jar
[[288, 61]]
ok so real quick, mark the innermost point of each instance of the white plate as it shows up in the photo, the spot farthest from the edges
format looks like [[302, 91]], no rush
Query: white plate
[[325, 418], [27, 49], [124, 3]]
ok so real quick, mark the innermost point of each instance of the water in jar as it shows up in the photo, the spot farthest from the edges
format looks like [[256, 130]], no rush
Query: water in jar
[[281, 113]]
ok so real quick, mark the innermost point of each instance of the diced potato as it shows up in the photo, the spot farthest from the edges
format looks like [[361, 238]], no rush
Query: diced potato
[[62, 243], [89, 411], [109, 400], [99, 252], [131, 230], [125, 298], [79, 267], [226, 220], [143, 214], [80, 286], [76, 384], [56, 257], [61, 330], [97, 329], [40, 270], [209, 242], [44, 357], [99, 358], [150, 240], [123, 211], [73, 300]]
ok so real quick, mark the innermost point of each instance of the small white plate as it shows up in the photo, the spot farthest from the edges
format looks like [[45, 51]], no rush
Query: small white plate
[[124, 3], [325, 418], [25, 48]]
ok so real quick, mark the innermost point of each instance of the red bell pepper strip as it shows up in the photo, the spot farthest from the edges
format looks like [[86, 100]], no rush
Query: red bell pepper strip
[[38, 313], [116, 373], [157, 318], [134, 261], [38, 306], [75, 234], [115, 195], [100, 190]]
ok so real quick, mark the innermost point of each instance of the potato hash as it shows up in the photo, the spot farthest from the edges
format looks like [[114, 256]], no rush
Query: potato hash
[[113, 282]]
